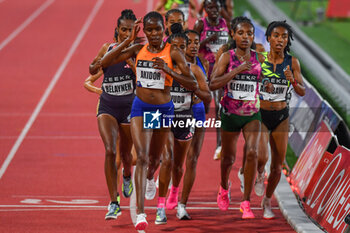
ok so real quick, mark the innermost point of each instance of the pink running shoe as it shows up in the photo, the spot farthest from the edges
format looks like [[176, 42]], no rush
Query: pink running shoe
[[245, 209], [172, 200], [223, 199]]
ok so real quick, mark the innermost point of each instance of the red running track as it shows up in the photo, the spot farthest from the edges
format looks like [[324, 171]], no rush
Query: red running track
[[51, 155]]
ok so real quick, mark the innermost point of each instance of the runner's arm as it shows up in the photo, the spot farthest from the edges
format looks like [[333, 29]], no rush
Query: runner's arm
[[203, 90], [218, 78], [95, 65], [296, 78], [160, 7], [121, 52], [89, 83], [186, 78], [205, 63], [192, 8]]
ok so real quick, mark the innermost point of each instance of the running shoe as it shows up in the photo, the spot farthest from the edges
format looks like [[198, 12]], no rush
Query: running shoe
[[241, 178], [229, 190], [266, 205], [245, 209], [172, 200], [222, 199], [127, 186], [141, 222], [182, 213], [151, 189], [160, 217], [217, 153], [113, 211], [259, 186], [118, 200]]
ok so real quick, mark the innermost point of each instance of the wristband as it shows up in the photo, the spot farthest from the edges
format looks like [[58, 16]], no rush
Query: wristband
[[295, 82], [265, 80]]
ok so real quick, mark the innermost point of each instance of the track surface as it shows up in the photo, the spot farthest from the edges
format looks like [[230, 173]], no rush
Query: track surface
[[51, 155]]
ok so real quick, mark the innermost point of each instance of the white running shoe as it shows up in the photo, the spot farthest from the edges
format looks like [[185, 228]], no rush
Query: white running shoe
[[151, 189], [141, 222], [217, 153], [259, 186], [241, 178], [266, 205], [182, 213]]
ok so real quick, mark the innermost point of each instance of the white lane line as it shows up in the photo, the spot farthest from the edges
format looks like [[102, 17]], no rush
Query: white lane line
[[2, 1], [50, 88], [123, 207], [209, 203], [132, 203], [26, 23]]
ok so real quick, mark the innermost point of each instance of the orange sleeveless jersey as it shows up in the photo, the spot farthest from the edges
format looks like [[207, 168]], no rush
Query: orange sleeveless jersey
[[145, 55]]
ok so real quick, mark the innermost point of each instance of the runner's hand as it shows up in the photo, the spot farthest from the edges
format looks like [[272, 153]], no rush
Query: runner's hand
[[245, 66], [269, 87], [159, 63], [135, 30], [213, 37], [289, 75]]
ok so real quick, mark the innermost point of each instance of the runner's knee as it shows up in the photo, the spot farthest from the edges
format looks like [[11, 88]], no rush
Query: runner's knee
[[142, 159], [227, 160], [276, 170], [110, 151], [251, 153], [192, 162]]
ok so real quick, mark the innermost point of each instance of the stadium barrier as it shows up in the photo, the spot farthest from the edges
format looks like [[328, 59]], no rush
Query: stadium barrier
[[319, 137], [321, 176]]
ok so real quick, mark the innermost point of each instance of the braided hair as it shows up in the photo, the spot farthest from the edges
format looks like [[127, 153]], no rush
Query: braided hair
[[168, 13], [177, 32], [234, 23], [153, 15], [125, 14], [285, 25]]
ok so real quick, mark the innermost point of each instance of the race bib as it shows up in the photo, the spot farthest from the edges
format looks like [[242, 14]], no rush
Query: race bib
[[119, 88], [214, 46], [279, 92], [182, 100], [149, 77], [243, 87]]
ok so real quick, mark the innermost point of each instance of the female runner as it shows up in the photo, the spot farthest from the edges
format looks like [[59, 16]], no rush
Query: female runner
[[213, 34], [113, 116], [199, 111], [283, 72], [152, 108], [238, 70]]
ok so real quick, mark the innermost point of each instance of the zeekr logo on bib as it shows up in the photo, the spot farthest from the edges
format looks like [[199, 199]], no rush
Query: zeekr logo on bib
[[152, 120]]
